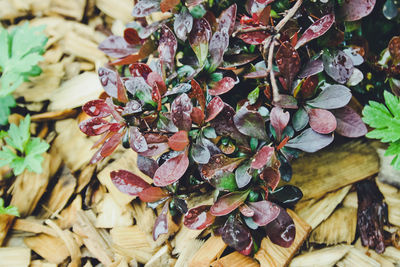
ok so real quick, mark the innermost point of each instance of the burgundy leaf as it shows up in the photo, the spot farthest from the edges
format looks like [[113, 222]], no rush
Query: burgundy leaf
[[308, 87], [288, 61], [179, 141], [228, 203], [134, 84], [262, 157], [167, 46], [254, 38], [272, 176], [110, 145], [282, 230], [226, 21], [152, 194], [198, 218], [140, 70], [218, 45], [218, 165], [136, 140], [310, 141], [317, 29], [246, 210], [312, 67], [147, 165], [97, 108], [155, 149], [94, 126], [111, 81], [394, 47], [167, 5], [242, 175], [172, 170], [355, 9], [145, 7], [156, 95], [116, 46], [238, 60], [161, 225], [155, 78], [183, 24], [199, 38], [223, 86], [247, 250], [131, 107], [115, 110], [235, 234], [321, 120], [197, 92], [152, 138], [264, 212], [178, 89], [257, 74], [150, 29], [279, 120], [215, 106], [286, 101], [197, 116], [332, 97], [128, 183], [250, 123], [131, 36], [181, 109], [338, 66], [349, 123]]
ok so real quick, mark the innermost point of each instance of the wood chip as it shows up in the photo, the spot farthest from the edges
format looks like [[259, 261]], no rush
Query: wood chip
[[234, 259], [5, 224], [40, 263], [73, 8], [161, 258], [15, 257], [211, 250], [355, 257], [271, 255], [118, 10], [192, 247], [32, 226], [111, 214], [68, 216], [329, 170], [392, 198], [392, 254], [54, 115], [325, 257], [49, 247]]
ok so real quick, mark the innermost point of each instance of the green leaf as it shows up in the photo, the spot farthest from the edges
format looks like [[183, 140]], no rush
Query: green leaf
[[19, 135], [6, 103], [253, 96], [394, 150], [209, 132], [10, 210]]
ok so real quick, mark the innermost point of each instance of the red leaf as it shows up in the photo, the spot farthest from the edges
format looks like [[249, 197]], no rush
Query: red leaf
[[136, 140], [181, 109], [152, 138], [356, 9], [183, 24], [178, 141], [248, 249], [167, 46], [156, 96], [94, 126], [254, 38], [264, 212], [117, 47], [215, 106], [338, 65], [152, 194], [128, 183], [197, 92], [246, 210], [272, 176], [257, 74], [222, 87], [349, 123], [317, 29], [308, 86], [111, 82], [144, 8], [161, 225], [140, 70], [131, 36], [228, 203], [97, 108], [226, 20], [197, 116], [172, 170], [262, 157], [218, 44], [288, 61], [155, 78], [322, 121], [198, 218], [279, 120], [167, 5], [155, 149], [110, 145]]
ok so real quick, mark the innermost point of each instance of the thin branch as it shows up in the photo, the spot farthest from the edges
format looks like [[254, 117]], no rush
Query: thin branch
[[289, 15], [275, 91]]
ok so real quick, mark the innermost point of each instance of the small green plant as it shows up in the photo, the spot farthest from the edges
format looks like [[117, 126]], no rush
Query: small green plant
[[386, 121], [21, 150], [20, 51], [10, 210]]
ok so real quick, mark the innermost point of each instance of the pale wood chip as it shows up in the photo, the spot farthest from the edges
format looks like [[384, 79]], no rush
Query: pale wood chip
[[15, 257], [211, 250], [51, 248]]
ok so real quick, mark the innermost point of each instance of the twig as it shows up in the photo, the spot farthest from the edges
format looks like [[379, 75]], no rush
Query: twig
[[275, 91], [289, 15]]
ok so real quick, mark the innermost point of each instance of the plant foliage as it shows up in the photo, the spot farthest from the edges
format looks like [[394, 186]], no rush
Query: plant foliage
[[10, 210]]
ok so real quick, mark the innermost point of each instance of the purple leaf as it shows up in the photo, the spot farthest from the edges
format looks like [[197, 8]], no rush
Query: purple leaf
[[199, 38], [171, 170], [152, 194], [308, 87], [94, 126], [97, 108], [235, 234], [262, 157], [223, 86], [111, 81], [286, 101], [167, 47], [116, 46], [272, 176], [332, 97], [279, 120], [254, 38], [215, 106], [200, 154], [246, 210], [134, 84], [136, 140], [145, 7], [218, 165], [338, 66], [228, 203], [131, 107], [317, 29], [312, 67], [321, 120], [282, 230], [226, 21], [128, 183], [155, 149], [218, 44], [352, 10], [242, 175], [310, 141], [149, 30], [257, 74], [250, 123], [147, 165], [288, 61], [238, 60], [161, 225], [181, 109], [183, 24], [140, 70], [198, 218], [349, 123], [264, 212]]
